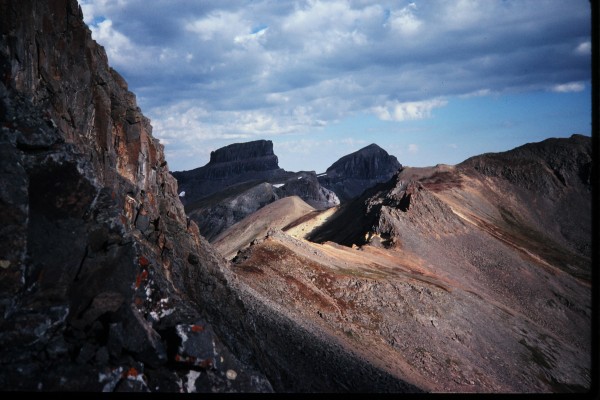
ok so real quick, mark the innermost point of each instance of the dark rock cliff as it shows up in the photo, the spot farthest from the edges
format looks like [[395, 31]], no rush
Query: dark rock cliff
[[349, 176], [97, 253], [238, 157], [230, 165]]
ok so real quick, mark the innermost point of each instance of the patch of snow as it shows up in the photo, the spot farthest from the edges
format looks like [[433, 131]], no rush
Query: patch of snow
[[111, 379], [278, 185], [182, 194], [191, 381], [181, 334], [42, 328], [138, 377], [299, 177], [164, 313], [323, 174], [154, 316]]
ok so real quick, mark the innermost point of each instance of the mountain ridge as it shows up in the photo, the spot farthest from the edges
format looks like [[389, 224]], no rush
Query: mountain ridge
[[434, 247]]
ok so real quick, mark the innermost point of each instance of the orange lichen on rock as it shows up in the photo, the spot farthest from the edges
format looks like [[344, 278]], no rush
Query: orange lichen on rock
[[141, 277], [130, 372]]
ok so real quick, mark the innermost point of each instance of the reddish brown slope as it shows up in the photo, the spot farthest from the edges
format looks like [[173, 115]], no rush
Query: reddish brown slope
[[461, 280]]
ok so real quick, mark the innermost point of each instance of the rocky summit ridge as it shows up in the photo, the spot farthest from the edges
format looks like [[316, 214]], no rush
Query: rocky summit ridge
[[456, 278]]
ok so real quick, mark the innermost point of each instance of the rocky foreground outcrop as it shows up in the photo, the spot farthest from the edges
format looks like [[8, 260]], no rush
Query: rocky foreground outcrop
[[349, 176], [97, 255]]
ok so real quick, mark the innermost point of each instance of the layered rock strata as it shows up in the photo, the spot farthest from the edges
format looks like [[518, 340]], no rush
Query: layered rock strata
[[228, 166]]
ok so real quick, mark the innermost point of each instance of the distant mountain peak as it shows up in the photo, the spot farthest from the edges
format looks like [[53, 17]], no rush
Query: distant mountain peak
[[371, 146], [352, 174], [246, 151]]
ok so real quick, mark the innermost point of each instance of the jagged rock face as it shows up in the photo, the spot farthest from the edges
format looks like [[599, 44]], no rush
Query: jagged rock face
[[99, 254], [307, 187], [376, 212], [349, 176]]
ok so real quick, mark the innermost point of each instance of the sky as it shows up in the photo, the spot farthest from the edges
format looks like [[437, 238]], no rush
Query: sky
[[433, 81]]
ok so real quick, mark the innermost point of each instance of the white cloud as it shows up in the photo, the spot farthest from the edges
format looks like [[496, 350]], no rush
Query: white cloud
[[251, 37], [405, 22], [218, 24], [476, 93], [584, 48], [208, 70], [412, 148], [568, 87], [461, 14], [119, 48], [411, 110]]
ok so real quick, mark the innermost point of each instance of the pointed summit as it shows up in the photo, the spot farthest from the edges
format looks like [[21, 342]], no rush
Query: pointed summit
[[349, 176]]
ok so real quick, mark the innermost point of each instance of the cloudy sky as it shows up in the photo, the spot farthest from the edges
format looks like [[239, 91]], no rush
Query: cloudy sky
[[430, 81]]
